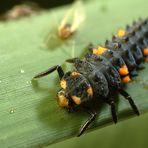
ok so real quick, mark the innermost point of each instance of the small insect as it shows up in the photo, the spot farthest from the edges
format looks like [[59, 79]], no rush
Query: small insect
[[103, 71], [69, 24], [71, 21]]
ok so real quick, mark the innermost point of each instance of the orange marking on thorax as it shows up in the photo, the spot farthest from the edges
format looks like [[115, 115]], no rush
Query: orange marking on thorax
[[74, 73], [126, 79], [121, 33], [99, 50], [90, 91], [76, 99], [145, 51], [63, 84], [123, 70]]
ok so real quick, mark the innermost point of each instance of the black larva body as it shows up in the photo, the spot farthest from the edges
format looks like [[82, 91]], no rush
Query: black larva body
[[131, 46], [103, 71]]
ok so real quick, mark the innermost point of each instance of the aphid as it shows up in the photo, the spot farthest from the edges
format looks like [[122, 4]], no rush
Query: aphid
[[103, 72], [71, 21], [69, 24]]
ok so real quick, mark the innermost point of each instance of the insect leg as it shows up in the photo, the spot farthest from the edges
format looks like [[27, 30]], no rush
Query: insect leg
[[50, 70], [88, 122], [113, 109], [129, 98], [72, 60]]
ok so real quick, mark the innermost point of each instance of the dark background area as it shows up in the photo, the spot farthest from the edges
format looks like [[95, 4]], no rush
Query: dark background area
[[45, 4]]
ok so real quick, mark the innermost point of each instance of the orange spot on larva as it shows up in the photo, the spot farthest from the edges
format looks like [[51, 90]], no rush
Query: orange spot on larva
[[63, 84], [121, 33], [62, 101], [126, 79], [123, 70], [76, 99], [145, 51], [99, 50], [146, 60], [74, 73], [90, 91]]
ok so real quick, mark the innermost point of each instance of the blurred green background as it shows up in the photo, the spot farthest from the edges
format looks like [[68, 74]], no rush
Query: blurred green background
[[129, 133], [132, 133]]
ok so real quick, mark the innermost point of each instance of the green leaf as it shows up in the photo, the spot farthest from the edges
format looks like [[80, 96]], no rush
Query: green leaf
[[30, 116]]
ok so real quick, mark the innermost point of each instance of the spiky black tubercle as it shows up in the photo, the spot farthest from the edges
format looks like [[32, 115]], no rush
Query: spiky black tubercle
[[132, 45]]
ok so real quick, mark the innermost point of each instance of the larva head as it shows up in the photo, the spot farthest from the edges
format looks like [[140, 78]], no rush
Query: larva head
[[75, 89]]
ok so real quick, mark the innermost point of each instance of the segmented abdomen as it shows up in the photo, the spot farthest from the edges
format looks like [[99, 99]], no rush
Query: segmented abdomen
[[127, 50]]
